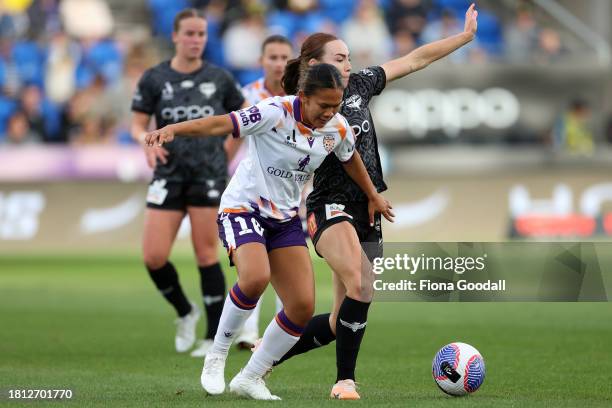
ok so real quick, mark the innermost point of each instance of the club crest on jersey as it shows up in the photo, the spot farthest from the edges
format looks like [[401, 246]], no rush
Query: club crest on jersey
[[302, 163], [367, 72], [353, 102], [329, 142], [335, 210], [167, 92], [208, 88], [187, 84]]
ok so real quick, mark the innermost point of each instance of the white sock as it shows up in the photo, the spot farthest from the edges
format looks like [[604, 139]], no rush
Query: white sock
[[279, 337], [252, 323], [279, 304], [236, 311]]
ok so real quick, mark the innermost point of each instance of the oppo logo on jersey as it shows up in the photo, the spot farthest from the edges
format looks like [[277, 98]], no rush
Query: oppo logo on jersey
[[181, 113], [364, 128], [286, 174]]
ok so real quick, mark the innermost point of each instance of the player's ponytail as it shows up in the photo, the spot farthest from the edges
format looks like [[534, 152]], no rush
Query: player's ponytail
[[313, 47], [291, 77]]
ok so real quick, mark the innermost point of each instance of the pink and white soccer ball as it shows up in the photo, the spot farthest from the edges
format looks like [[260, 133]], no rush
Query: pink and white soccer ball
[[458, 369]]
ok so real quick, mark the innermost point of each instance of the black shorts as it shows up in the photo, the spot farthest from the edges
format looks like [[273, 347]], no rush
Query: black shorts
[[321, 217], [168, 195]]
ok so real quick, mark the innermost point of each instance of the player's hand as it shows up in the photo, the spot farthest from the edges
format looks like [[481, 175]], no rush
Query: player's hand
[[378, 204], [153, 154], [159, 137], [471, 22]]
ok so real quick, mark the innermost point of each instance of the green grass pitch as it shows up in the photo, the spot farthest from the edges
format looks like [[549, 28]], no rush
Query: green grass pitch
[[95, 325]]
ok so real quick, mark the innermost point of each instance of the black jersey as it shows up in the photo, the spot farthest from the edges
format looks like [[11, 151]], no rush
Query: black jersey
[[174, 97], [331, 183]]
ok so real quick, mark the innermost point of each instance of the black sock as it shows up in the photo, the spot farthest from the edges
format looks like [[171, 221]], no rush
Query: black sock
[[212, 282], [166, 280], [350, 327], [317, 333]]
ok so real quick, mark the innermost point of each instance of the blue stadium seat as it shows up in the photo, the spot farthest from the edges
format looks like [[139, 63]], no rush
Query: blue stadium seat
[[245, 76], [2, 73], [124, 137], [107, 60], [84, 75], [458, 6], [312, 22], [490, 35], [214, 44], [338, 10], [7, 107], [52, 117], [283, 23], [30, 62], [163, 12], [103, 59]]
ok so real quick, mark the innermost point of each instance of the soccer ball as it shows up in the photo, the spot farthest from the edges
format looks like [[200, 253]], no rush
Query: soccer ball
[[458, 369]]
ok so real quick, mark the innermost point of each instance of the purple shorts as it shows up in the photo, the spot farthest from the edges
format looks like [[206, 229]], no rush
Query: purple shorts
[[236, 229]]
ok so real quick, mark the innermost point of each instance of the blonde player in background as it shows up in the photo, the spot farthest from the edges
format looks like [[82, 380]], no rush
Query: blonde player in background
[[189, 175]]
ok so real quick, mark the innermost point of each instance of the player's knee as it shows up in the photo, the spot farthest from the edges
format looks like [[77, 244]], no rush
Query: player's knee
[[358, 288], [207, 256], [300, 311], [254, 286], [153, 260]]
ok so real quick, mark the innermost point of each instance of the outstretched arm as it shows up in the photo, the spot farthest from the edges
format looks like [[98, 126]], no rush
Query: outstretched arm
[[219, 125], [232, 144], [428, 53], [376, 202]]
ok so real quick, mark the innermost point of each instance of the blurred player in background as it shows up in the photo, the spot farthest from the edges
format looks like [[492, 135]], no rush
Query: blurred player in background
[[258, 221], [189, 174], [276, 50], [337, 208]]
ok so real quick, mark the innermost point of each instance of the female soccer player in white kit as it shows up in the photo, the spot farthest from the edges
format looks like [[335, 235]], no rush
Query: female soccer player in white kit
[[258, 222], [276, 50]]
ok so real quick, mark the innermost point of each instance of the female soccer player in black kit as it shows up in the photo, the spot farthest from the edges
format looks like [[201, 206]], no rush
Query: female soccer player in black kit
[[338, 219], [190, 174]]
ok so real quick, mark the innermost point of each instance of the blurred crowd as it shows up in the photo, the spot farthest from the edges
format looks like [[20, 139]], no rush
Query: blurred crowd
[[68, 67]]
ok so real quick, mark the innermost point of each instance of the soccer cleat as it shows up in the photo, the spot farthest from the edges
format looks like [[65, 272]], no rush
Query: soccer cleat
[[186, 330], [251, 387], [212, 378], [202, 347], [345, 390], [246, 339]]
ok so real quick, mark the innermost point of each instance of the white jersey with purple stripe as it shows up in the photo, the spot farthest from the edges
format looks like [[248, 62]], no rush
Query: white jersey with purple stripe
[[283, 155]]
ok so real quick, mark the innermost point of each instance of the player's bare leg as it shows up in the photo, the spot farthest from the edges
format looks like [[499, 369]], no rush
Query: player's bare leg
[[253, 268], [205, 241], [321, 329], [293, 281], [340, 247], [160, 229]]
